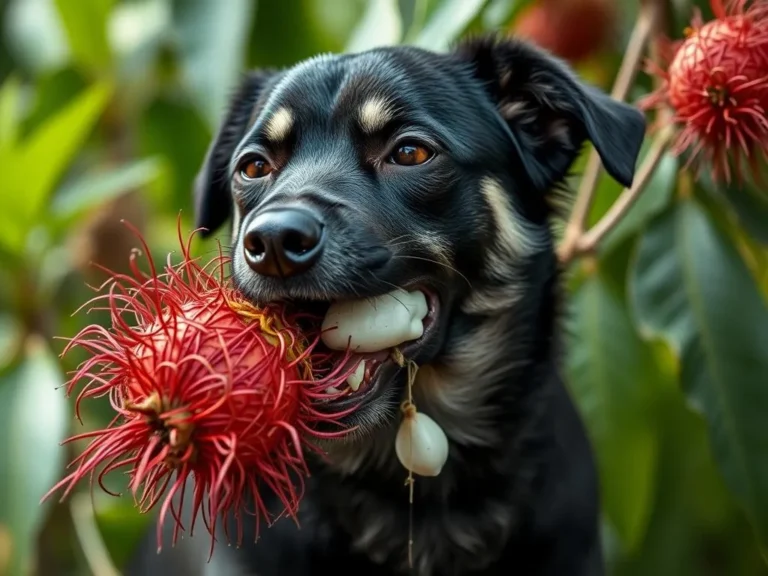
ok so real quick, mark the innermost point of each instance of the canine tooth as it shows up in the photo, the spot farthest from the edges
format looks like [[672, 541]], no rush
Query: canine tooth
[[332, 390], [356, 378], [377, 323], [421, 445]]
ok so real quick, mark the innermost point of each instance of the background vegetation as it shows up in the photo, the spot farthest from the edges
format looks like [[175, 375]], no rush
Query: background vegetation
[[106, 109]]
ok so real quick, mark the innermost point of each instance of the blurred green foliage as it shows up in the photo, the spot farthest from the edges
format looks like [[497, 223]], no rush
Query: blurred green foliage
[[106, 109]]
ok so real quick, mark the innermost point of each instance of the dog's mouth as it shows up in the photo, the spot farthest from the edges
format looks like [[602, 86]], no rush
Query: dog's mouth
[[376, 339]]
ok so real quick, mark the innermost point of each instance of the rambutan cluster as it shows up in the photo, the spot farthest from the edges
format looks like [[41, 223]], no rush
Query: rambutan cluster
[[716, 83]]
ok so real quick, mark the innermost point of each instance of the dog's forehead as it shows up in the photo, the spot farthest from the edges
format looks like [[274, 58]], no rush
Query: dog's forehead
[[368, 88], [330, 98]]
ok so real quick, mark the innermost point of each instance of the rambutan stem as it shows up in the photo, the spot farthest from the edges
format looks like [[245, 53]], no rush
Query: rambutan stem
[[589, 241], [648, 22]]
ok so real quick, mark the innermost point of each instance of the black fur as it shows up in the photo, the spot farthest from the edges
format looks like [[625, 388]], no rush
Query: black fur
[[519, 493]]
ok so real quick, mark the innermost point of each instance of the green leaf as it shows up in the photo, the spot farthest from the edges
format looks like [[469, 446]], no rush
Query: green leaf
[[749, 206], [85, 22], [95, 188], [156, 132], [12, 229], [212, 38], [306, 23], [57, 141], [122, 528], [52, 92], [690, 287], [448, 22], [33, 421], [11, 332], [33, 169], [381, 25], [613, 377], [35, 35], [9, 110], [690, 501]]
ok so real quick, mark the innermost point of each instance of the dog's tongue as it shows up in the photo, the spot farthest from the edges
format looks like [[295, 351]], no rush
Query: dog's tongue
[[375, 324]]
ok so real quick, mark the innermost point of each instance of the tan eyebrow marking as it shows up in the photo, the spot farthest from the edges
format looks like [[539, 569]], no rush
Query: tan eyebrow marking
[[279, 125], [374, 114]]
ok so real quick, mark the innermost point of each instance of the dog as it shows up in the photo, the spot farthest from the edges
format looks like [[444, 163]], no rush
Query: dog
[[348, 175]]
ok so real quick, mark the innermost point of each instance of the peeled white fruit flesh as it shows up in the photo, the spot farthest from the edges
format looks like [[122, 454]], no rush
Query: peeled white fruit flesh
[[377, 323], [421, 445]]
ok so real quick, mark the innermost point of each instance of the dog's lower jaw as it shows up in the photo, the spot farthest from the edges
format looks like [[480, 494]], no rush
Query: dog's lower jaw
[[495, 504]]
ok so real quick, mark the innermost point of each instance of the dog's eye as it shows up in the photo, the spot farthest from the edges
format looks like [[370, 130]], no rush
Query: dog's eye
[[255, 168], [410, 154]]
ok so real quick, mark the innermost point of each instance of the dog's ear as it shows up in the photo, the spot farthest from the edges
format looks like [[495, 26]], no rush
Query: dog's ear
[[212, 200], [550, 113]]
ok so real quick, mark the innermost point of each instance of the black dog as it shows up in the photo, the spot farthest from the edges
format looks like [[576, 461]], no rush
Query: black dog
[[349, 175]]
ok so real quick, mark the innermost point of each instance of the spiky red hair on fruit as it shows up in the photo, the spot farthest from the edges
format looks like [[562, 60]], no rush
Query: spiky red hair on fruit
[[206, 386], [716, 82]]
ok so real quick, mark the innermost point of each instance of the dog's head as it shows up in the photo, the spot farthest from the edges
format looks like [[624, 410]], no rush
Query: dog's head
[[348, 176]]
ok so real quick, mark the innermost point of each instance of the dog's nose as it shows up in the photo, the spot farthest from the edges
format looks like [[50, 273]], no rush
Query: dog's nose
[[283, 242]]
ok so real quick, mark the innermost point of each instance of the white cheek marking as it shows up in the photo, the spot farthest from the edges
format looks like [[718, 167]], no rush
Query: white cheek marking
[[279, 126], [374, 114]]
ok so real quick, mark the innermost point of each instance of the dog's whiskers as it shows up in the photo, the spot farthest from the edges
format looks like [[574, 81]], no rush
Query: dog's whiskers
[[403, 243], [433, 261], [395, 286]]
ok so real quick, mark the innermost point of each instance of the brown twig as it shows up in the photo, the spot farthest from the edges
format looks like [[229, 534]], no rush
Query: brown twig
[[647, 22], [589, 241]]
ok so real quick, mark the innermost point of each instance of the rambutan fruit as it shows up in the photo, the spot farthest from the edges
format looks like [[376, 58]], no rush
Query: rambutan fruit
[[206, 386], [571, 29], [716, 84]]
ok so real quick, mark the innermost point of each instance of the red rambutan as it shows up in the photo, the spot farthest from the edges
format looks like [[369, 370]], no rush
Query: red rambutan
[[571, 29], [206, 386], [717, 85]]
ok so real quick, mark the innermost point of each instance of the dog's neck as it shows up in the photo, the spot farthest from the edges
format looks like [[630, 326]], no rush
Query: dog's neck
[[481, 391]]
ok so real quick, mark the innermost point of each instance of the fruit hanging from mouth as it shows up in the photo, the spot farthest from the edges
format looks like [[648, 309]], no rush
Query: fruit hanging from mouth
[[206, 387], [376, 323]]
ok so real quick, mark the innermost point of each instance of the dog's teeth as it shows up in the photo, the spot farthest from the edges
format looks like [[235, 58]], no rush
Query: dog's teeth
[[356, 378], [377, 323], [332, 390]]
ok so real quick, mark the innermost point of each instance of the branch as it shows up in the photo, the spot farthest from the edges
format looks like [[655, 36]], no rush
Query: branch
[[588, 242], [648, 18]]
